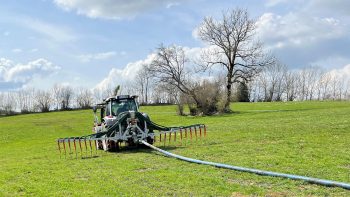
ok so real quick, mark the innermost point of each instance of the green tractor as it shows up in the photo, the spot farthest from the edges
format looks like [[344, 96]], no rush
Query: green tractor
[[116, 120], [130, 130]]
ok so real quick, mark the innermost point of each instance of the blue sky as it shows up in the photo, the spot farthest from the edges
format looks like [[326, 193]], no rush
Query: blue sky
[[92, 43]]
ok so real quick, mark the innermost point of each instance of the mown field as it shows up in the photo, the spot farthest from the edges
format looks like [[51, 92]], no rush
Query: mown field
[[304, 138]]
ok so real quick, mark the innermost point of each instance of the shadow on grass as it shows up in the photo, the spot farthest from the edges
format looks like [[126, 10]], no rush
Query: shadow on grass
[[143, 149], [90, 157], [121, 151], [258, 111]]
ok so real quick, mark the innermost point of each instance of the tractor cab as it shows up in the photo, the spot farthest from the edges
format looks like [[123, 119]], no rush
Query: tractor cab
[[113, 106]]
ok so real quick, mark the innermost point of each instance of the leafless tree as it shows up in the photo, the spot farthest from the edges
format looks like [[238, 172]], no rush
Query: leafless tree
[[272, 80], [334, 87], [161, 94], [97, 95], [143, 82], [338, 87], [83, 98], [346, 90], [8, 103], [235, 48], [314, 73], [169, 68], [62, 96], [290, 84], [2, 99], [156, 95], [172, 67], [131, 89], [24, 99], [108, 91], [66, 96], [56, 95], [254, 90], [43, 100], [307, 82]]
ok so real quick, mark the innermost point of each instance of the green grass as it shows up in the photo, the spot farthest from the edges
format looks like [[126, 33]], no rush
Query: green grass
[[304, 138]]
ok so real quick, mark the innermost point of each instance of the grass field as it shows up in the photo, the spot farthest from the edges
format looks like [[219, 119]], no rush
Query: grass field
[[304, 138]]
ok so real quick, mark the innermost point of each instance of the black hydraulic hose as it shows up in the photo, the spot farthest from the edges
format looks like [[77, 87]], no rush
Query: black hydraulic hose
[[256, 171]]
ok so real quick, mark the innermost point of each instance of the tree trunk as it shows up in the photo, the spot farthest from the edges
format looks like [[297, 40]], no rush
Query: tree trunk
[[146, 91], [228, 99]]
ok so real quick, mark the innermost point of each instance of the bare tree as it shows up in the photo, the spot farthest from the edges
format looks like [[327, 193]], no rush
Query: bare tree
[[169, 68], [62, 96], [43, 100], [84, 98], [56, 95], [66, 96], [108, 91], [161, 94], [290, 84], [272, 81], [254, 89], [346, 95], [235, 48], [143, 82], [97, 95], [24, 99], [8, 103], [324, 82], [2, 98]]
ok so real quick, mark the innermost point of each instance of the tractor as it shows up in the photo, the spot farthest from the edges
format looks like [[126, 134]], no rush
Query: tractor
[[117, 120], [129, 131]]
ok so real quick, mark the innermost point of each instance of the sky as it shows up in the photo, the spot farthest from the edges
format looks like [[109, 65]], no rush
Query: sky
[[96, 43]]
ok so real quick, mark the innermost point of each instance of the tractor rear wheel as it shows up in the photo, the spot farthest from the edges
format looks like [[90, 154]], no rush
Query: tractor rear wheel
[[113, 146], [150, 140]]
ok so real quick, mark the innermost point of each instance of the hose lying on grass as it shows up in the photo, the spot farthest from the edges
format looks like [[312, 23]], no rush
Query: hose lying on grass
[[256, 171]]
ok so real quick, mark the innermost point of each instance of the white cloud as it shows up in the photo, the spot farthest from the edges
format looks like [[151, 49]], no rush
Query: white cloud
[[15, 75], [123, 53], [271, 3], [341, 73], [97, 56], [336, 7], [294, 29], [17, 50], [33, 50], [54, 32], [195, 33], [170, 5], [125, 75], [112, 9], [6, 33], [334, 61]]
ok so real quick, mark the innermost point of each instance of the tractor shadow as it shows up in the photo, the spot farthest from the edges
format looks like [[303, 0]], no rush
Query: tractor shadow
[[124, 150], [143, 149]]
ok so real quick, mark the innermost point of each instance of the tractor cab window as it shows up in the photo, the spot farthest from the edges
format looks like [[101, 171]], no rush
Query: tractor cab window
[[119, 106], [103, 113], [108, 111]]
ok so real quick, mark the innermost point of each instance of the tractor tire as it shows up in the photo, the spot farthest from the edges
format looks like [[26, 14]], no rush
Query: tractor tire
[[113, 146], [150, 140], [99, 144]]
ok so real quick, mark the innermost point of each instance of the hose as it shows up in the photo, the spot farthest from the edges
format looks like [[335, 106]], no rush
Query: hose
[[255, 171]]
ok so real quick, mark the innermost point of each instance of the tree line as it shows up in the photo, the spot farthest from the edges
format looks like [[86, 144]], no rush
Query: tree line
[[59, 97], [245, 72], [273, 83], [278, 83]]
